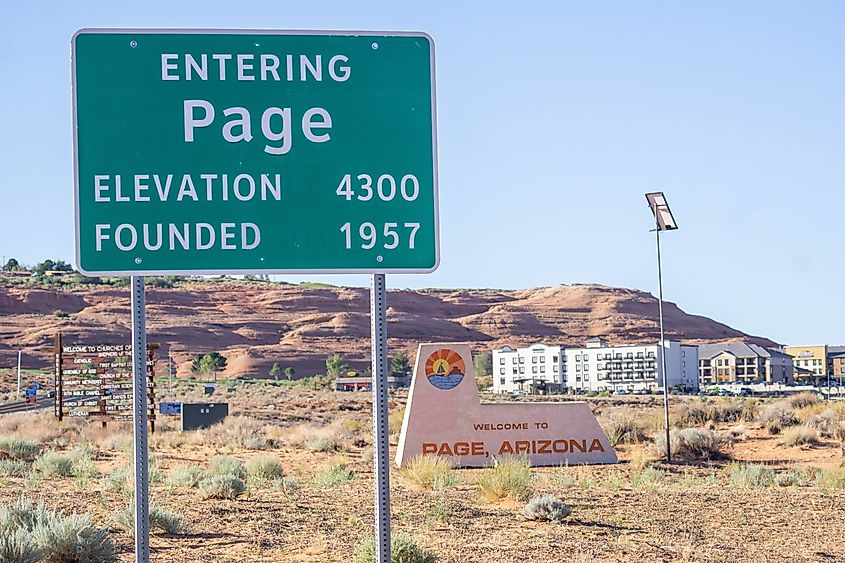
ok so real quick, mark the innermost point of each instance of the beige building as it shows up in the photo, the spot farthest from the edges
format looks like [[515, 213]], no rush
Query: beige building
[[812, 363], [735, 362]]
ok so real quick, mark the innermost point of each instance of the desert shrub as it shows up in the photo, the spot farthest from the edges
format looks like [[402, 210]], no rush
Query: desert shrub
[[805, 399], [226, 465], [162, 519], [777, 416], [13, 468], [826, 423], [264, 467], [795, 477], [18, 546], [354, 425], [693, 443], [799, 436], [648, 477], [509, 478], [118, 479], [394, 422], [53, 464], [429, 472], [750, 410], [329, 438], [623, 426], [693, 414], [18, 448], [31, 532], [639, 459], [727, 411], [564, 478], [240, 431], [547, 508], [323, 444], [225, 486], [184, 476], [831, 478], [750, 475], [61, 314], [738, 432], [288, 485], [403, 549], [333, 475]]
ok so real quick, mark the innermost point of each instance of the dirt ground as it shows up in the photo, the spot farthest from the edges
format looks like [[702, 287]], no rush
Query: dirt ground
[[695, 513]]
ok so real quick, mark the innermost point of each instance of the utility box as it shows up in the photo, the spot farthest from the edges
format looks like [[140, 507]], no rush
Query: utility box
[[196, 416]]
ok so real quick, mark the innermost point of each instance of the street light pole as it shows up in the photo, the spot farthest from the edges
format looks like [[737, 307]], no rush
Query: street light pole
[[663, 348], [663, 221]]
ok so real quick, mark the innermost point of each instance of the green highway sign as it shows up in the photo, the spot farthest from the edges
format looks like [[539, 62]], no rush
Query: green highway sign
[[199, 152]]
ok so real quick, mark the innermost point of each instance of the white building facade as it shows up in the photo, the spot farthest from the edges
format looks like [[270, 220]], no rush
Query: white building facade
[[538, 368], [595, 367]]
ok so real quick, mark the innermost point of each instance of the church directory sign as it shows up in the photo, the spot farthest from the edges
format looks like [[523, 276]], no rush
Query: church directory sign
[[445, 417], [254, 151], [95, 380]]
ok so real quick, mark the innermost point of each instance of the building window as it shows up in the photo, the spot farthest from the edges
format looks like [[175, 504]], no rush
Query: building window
[[501, 381], [577, 357], [501, 371], [514, 371], [521, 370], [586, 357], [501, 361], [533, 359], [554, 359], [533, 369], [554, 368], [542, 359], [521, 360], [513, 360], [542, 369]]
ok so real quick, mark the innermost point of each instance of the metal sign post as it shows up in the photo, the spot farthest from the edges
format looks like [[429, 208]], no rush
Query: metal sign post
[[381, 463], [19, 374], [139, 395]]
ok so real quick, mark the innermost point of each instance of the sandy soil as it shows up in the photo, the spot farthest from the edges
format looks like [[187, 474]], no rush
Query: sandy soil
[[694, 514]]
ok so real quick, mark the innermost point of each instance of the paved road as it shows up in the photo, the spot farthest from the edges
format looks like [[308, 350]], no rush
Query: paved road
[[20, 406]]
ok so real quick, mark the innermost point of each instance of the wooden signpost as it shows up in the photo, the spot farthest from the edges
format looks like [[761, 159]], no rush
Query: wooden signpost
[[96, 381]]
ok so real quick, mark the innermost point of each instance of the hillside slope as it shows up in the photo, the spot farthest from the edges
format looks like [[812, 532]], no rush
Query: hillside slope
[[257, 323]]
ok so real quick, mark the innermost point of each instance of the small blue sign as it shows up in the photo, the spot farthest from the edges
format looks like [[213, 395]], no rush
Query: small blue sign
[[170, 409]]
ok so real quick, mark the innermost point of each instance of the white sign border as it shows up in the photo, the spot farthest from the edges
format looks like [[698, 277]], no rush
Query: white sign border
[[175, 31]]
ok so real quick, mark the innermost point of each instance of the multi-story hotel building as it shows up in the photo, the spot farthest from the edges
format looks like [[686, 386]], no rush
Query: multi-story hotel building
[[812, 363], [595, 367], [735, 362], [538, 368], [837, 362]]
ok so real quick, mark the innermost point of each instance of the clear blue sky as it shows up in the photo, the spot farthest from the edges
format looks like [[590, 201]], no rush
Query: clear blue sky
[[554, 119]]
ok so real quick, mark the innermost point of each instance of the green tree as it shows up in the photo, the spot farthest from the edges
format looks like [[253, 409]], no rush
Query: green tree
[[335, 366], [289, 373], [43, 267], [12, 265], [399, 363], [208, 364], [275, 371], [483, 363]]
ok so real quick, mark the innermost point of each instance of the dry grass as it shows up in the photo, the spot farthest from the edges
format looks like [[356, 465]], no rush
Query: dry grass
[[694, 444], [623, 426], [508, 479], [777, 416], [799, 436], [802, 400], [429, 472]]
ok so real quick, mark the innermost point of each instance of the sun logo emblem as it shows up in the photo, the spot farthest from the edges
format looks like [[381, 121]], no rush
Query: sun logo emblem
[[445, 369]]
